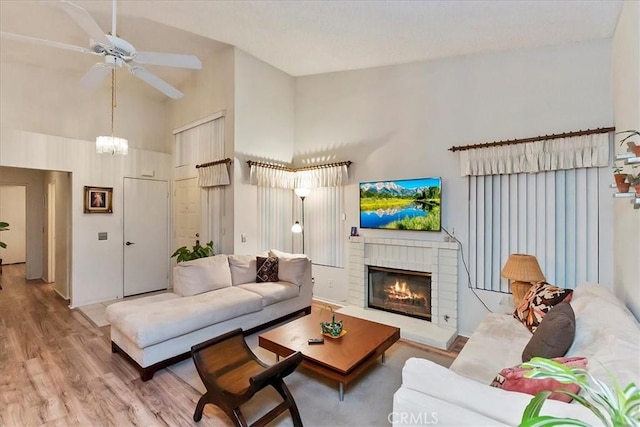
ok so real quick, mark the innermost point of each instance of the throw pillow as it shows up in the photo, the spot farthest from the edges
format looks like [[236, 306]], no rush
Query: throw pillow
[[243, 269], [513, 379], [537, 302], [201, 275], [266, 269], [555, 334]]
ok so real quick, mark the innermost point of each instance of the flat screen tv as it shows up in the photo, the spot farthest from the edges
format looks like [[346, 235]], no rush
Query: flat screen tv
[[406, 204]]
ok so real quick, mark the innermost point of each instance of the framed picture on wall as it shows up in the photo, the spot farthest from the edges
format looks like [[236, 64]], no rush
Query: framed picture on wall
[[98, 199]]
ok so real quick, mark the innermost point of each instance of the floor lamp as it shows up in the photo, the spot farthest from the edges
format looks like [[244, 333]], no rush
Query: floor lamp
[[297, 227]]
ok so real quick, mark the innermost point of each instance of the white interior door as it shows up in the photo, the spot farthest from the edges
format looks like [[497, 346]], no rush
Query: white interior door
[[13, 209], [146, 229], [187, 212]]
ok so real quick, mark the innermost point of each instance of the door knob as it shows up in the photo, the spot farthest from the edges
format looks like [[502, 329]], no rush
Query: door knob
[[129, 243]]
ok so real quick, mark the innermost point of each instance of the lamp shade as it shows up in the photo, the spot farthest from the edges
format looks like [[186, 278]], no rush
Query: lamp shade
[[523, 268], [296, 228], [302, 192]]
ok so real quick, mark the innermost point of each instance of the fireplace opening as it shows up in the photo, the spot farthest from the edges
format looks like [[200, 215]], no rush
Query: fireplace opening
[[400, 291]]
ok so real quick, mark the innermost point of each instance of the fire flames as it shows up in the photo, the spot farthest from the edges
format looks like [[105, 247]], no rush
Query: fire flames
[[401, 293]]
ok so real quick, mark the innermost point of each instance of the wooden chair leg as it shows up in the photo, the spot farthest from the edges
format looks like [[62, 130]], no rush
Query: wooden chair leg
[[238, 418], [197, 415], [286, 395]]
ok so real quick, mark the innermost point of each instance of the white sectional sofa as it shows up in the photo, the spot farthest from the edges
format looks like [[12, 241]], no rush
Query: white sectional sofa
[[606, 334], [210, 296]]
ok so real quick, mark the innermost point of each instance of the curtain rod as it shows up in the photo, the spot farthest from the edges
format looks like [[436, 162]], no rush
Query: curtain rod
[[216, 162], [534, 139], [288, 169]]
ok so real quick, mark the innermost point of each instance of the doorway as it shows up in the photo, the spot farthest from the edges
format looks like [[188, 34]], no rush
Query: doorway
[[13, 210], [51, 232]]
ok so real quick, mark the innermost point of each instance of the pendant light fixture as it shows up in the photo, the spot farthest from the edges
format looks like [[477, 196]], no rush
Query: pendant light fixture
[[112, 144]]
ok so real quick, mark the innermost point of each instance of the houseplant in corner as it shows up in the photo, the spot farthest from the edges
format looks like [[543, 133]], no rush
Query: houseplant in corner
[[185, 254], [615, 407], [4, 226]]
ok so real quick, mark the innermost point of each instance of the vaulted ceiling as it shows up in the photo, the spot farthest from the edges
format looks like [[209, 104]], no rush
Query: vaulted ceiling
[[307, 37]]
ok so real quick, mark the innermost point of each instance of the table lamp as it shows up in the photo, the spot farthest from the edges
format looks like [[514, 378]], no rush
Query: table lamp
[[523, 270]]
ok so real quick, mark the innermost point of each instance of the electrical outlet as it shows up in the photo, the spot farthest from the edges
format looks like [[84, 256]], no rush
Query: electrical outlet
[[243, 238], [330, 283]]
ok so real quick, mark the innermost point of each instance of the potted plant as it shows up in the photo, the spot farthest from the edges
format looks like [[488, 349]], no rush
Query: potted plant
[[4, 226], [632, 132], [634, 181], [614, 407], [185, 254], [621, 179], [333, 328]]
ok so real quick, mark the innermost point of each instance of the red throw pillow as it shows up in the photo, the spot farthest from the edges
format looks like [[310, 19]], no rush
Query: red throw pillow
[[538, 301], [513, 379]]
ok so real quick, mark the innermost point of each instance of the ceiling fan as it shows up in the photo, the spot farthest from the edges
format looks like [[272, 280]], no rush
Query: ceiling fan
[[116, 52]]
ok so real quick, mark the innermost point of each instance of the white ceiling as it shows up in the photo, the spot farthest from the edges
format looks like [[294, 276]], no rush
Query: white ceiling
[[308, 37]]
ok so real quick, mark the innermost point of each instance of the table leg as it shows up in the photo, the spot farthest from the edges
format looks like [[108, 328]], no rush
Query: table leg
[[277, 358], [341, 392], [383, 358]]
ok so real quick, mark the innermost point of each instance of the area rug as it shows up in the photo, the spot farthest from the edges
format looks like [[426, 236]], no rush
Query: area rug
[[368, 401]]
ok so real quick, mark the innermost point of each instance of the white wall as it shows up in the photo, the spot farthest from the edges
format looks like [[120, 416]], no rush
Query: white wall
[[32, 179], [626, 84], [55, 103], [97, 268], [398, 122], [264, 123]]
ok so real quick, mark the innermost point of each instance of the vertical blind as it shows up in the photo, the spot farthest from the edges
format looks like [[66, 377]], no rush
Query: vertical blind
[[275, 206], [323, 226], [200, 144], [552, 215]]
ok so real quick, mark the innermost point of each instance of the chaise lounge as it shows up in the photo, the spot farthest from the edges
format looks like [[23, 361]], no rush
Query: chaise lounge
[[210, 297]]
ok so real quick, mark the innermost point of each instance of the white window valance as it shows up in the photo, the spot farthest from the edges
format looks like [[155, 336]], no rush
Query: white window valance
[[548, 155], [268, 175], [213, 174]]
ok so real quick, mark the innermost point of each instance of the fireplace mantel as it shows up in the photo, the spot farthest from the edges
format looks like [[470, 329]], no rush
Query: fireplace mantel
[[438, 258]]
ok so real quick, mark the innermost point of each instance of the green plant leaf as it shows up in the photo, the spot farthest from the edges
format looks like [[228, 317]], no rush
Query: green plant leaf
[[547, 420]]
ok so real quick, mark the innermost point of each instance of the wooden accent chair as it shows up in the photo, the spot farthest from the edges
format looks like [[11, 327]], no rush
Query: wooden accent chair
[[232, 374]]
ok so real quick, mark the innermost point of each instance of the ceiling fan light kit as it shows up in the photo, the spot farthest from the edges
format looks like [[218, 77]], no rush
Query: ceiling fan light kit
[[117, 52]]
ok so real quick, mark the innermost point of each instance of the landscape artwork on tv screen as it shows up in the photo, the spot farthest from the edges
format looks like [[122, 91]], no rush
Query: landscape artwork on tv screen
[[407, 204]]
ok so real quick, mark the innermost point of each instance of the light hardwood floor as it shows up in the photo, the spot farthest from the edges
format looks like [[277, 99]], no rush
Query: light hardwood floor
[[57, 369]]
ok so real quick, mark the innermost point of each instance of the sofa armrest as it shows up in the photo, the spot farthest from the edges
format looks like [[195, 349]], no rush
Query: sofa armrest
[[505, 406], [412, 408]]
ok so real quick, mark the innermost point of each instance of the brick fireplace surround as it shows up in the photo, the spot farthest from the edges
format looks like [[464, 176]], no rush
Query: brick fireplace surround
[[438, 258]]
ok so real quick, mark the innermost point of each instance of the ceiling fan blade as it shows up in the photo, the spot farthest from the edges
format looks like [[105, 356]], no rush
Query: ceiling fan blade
[[156, 82], [85, 21], [96, 75], [19, 37], [168, 59]]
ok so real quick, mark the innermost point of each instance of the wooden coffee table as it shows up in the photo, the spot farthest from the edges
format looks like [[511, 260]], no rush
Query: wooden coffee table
[[342, 359]]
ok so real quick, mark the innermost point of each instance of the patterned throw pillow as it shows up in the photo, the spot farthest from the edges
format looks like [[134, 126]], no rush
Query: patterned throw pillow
[[266, 269], [513, 379], [538, 301]]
